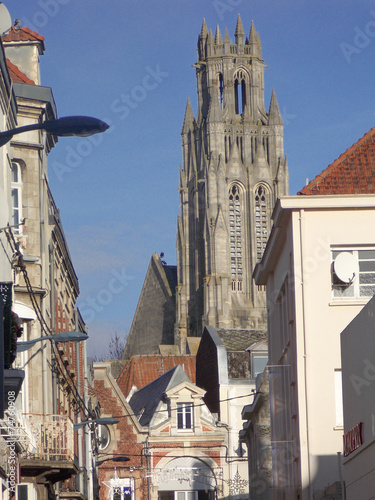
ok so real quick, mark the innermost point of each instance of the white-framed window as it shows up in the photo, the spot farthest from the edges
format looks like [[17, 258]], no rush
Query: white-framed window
[[353, 273], [16, 188], [184, 416], [338, 399]]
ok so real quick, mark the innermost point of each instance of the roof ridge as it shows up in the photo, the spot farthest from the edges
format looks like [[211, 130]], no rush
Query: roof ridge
[[9, 36]]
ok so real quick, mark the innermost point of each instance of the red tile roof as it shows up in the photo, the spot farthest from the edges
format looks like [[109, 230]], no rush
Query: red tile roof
[[17, 75], [140, 370], [352, 173], [18, 34]]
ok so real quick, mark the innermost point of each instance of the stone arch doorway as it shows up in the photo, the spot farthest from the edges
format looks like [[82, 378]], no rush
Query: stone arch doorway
[[187, 478]]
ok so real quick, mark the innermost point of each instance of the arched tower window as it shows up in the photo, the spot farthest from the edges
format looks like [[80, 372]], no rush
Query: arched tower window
[[221, 91], [236, 237], [261, 219], [240, 91]]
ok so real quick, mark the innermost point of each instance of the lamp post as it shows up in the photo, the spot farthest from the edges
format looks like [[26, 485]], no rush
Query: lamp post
[[68, 126], [57, 337], [113, 459], [97, 421]]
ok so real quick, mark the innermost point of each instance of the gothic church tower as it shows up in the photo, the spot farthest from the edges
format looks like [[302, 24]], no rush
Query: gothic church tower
[[233, 170]]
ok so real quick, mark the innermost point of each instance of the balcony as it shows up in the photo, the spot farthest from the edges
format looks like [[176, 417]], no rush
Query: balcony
[[53, 456]]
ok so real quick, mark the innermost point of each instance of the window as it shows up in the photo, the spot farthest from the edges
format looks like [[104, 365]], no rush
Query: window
[[221, 91], [353, 273], [184, 416], [235, 230], [16, 186], [240, 91], [261, 220], [338, 399], [258, 363]]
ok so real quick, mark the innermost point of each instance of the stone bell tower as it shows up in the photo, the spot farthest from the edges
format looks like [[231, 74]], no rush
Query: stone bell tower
[[233, 170]]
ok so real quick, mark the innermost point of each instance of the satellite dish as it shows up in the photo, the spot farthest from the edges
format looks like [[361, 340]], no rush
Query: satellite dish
[[5, 19], [345, 266]]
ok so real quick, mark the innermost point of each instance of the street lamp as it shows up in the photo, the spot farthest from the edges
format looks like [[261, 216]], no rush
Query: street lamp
[[57, 337], [80, 126], [98, 421], [113, 459]]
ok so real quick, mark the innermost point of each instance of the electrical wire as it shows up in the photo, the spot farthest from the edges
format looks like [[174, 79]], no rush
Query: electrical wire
[[44, 326]]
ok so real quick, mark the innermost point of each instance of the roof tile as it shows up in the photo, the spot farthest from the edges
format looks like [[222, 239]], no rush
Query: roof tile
[[140, 370], [22, 34], [351, 173], [17, 75]]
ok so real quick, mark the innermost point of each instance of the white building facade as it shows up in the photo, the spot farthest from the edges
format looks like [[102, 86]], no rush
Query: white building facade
[[358, 375], [309, 302]]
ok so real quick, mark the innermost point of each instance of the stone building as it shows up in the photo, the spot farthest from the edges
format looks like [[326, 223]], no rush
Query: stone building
[[52, 456], [233, 170]]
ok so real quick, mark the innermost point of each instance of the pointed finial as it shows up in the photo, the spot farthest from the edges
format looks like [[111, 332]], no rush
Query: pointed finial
[[188, 118], [239, 27], [218, 39], [210, 37], [226, 36], [274, 114], [253, 34], [204, 30], [239, 33]]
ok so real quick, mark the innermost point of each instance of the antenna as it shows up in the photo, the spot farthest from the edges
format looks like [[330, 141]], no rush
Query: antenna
[[5, 19], [345, 266]]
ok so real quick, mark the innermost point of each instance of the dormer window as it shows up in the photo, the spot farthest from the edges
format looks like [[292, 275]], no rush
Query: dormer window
[[184, 416]]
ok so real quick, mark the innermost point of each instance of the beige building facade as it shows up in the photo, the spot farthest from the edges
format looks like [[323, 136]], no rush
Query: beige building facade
[[310, 300]]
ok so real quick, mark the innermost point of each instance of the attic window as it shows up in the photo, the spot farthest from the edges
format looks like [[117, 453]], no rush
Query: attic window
[[184, 416]]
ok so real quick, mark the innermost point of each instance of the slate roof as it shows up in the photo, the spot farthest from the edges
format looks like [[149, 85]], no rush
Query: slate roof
[[171, 275], [140, 370], [240, 340], [145, 401], [17, 75], [352, 173]]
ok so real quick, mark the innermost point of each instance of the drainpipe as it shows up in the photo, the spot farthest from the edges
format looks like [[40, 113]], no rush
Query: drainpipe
[[147, 455], [45, 348], [301, 230], [80, 430]]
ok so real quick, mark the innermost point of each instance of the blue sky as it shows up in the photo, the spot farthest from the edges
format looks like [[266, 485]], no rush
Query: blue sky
[[129, 62]]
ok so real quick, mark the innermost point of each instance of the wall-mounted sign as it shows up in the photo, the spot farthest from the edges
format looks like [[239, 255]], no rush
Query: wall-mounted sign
[[353, 439]]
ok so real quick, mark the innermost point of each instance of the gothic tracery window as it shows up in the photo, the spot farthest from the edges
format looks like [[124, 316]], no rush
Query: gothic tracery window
[[235, 228], [261, 219]]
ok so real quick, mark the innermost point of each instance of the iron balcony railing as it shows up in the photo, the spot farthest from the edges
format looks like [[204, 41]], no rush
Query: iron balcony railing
[[53, 435]]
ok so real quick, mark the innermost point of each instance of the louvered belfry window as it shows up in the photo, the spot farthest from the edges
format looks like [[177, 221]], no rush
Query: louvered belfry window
[[235, 228], [261, 220]]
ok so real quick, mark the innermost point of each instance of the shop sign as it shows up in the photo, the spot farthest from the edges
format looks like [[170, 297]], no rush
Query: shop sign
[[353, 439]]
